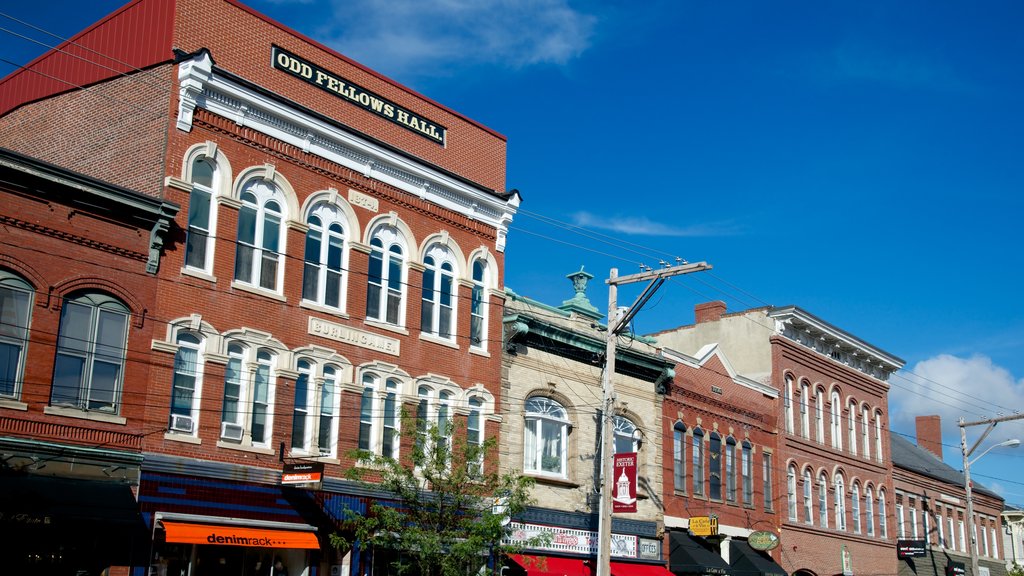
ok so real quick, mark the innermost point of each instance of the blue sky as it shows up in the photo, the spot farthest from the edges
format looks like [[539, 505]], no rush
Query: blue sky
[[861, 160]]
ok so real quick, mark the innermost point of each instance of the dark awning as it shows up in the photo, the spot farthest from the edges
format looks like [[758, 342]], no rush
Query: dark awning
[[45, 499], [552, 565], [689, 556], [749, 562]]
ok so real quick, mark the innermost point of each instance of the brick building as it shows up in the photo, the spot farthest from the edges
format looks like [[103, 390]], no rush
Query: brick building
[[337, 259], [832, 465], [931, 509], [718, 459], [551, 402]]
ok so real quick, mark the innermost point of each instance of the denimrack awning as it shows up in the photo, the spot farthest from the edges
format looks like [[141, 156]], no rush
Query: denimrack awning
[[749, 562], [687, 556], [552, 565], [186, 533], [627, 569]]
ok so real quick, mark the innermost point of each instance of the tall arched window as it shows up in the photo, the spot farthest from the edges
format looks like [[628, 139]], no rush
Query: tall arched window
[[835, 422], [808, 497], [260, 236], [15, 307], [852, 427], [840, 502], [89, 367], [198, 248], [679, 457], [730, 469], [546, 437], [787, 404], [185, 387], [261, 398], [882, 522], [805, 409], [822, 500], [389, 420], [869, 510], [819, 415], [478, 305], [855, 507], [878, 436], [385, 287], [625, 435], [327, 432], [235, 392], [378, 413], [475, 436], [698, 462], [865, 427], [437, 310], [325, 258], [301, 432], [791, 492], [747, 472], [715, 466]]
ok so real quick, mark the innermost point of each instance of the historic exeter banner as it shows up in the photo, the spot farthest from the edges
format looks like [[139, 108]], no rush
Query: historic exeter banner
[[624, 491]]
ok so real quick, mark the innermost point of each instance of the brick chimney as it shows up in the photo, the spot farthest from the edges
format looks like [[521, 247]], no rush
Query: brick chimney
[[929, 434], [709, 311]]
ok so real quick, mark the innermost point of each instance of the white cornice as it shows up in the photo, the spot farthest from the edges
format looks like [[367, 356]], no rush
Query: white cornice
[[203, 87]]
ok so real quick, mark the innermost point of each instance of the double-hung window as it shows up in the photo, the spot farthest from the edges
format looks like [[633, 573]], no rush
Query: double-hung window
[[822, 500], [378, 415], [475, 437], [698, 462], [869, 510], [15, 306], [89, 367], [819, 415], [865, 428], [249, 384], [438, 294], [235, 391], [323, 278], [679, 457], [730, 469], [327, 432], [836, 421], [766, 479], [715, 466], [478, 305], [787, 404], [185, 388], [301, 408], [198, 248], [855, 507], [260, 236], [385, 287], [791, 492], [747, 472], [314, 408], [546, 437], [840, 502], [261, 398], [808, 497], [805, 409]]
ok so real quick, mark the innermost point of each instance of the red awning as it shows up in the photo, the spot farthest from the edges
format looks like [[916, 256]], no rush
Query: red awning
[[624, 569], [552, 565]]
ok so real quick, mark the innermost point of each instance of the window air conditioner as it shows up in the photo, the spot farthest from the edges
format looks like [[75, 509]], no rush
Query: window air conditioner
[[181, 423], [229, 431]]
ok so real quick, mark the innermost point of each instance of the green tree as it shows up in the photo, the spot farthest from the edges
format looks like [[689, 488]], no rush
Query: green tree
[[443, 512], [1017, 570]]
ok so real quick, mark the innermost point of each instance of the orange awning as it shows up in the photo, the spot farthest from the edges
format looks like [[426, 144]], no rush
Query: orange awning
[[184, 533]]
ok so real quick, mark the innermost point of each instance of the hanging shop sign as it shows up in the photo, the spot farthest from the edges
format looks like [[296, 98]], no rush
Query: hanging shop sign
[[556, 539], [334, 84], [303, 473], [911, 549], [763, 540], [624, 498], [704, 525]]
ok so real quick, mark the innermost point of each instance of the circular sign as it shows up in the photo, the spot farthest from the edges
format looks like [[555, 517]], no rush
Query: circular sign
[[763, 540]]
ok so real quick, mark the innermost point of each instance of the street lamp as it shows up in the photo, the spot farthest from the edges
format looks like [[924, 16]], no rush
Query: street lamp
[[1012, 443]]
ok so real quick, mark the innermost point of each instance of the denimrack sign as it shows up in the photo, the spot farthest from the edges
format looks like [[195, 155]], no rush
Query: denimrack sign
[[330, 82]]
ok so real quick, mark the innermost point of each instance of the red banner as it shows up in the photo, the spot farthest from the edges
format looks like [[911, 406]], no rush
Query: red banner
[[624, 487]]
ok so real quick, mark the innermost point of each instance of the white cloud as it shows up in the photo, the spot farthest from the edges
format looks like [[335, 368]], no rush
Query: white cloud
[[429, 37], [644, 226], [952, 387]]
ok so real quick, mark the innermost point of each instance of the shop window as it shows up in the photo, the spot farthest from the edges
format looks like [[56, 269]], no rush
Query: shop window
[[325, 258], [438, 294], [16, 297], [260, 236], [545, 439], [89, 366]]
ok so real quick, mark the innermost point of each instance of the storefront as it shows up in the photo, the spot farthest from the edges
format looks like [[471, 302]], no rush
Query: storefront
[[695, 556], [573, 552]]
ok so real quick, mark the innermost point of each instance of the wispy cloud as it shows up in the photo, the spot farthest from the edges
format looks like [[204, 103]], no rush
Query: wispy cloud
[[430, 37], [854, 62], [644, 226]]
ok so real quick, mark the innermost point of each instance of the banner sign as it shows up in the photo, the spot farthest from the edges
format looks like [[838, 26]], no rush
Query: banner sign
[[704, 525], [911, 549], [569, 540], [361, 97], [624, 499], [306, 473]]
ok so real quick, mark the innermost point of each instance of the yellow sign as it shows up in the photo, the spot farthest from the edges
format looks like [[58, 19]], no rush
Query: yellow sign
[[704, 525]]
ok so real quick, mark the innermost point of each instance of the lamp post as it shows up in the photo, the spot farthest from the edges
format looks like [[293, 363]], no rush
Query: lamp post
[[1012, 443]]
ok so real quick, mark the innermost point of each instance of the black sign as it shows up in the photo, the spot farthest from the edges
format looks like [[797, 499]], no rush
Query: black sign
[[956, 569], [330, 82], [911, 549]]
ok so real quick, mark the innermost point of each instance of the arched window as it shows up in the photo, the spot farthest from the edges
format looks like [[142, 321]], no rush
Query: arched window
[[185, 387], [840, 502], [235, 392], [478, 305], [836, 427], [89, 367], [475, 436], [261, 398], [625, 436], [444, 421], [323, 279], [730, 469], [698, 462], [715, 466], [878, 436], [313, 413], [385, 289], [882, 522], [855, 507], [16, 297], [822, 500], [852, 426], [679, 457], [437, 310], [747, 472], [378, 413], [791, 492], [546, 437], [869, 510], [389, 434], [260, 236], [865, 427], [808, 497], [819, 415], [301, 432], [805, 405], [787, 404], [198, 247]]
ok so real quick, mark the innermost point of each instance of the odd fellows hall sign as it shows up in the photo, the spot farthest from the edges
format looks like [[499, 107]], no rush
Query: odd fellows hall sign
[[357, 95], [624, 495]]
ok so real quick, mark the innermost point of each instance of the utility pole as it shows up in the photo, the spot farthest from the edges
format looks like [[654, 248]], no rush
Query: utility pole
[[616, 325]]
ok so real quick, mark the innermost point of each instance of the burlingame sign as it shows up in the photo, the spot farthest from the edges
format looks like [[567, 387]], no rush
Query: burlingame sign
[[342, 88]]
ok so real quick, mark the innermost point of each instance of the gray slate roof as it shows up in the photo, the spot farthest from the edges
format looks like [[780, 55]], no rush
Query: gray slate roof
[[911, 457]]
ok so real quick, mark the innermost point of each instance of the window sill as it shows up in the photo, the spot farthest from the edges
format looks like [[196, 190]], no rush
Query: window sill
[[84, 415], [245, 448], [552, 481], [426, 337], [258, 291], [13, 405], [336, 312], [317, 457], [385, 326], [479, 352], [184, 438], [200, 274]]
